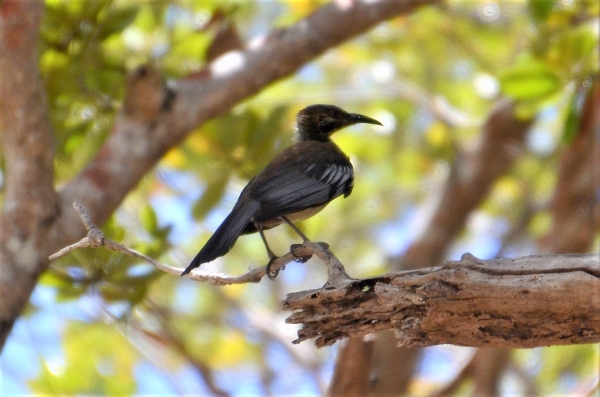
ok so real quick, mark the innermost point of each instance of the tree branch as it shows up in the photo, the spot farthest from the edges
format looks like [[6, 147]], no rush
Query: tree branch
[[527, 302], [493, 303], [154, 119], [29, 205], [136, 143], [337, 276], [350, 368]]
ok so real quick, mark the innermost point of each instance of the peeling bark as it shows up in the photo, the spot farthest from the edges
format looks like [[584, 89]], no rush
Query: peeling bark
[[492, 303]]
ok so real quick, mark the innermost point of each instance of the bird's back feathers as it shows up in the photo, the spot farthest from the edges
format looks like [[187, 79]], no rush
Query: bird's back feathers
[[311, 177]]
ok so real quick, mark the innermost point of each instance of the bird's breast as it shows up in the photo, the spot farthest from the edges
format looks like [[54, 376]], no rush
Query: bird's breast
[[296, 216]]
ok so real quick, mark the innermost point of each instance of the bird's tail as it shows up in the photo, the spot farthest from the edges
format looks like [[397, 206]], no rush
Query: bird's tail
[[225, 236]]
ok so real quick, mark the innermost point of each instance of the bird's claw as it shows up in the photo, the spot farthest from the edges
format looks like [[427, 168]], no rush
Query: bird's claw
[[298, 258], [271, 274]]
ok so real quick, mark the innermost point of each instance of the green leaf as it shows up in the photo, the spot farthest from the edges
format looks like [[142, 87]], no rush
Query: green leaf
[[573, 119], [70, 293], [146, 18], [530, 79], [262, 140], [576, 50], [232, 130], [113, 230], [540, 9], [148, 218], [117, 20]]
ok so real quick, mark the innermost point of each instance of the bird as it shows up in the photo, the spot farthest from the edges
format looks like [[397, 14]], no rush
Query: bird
[[298, 183]]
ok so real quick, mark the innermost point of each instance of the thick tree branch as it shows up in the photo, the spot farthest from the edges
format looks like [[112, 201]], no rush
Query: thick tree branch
[[154, 119], [526, 302], [136, 144], [350, 367], [29, 206], [572, 208]]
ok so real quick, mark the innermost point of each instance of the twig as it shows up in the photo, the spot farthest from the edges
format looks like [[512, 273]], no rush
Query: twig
[[338, 277], [94, 238]]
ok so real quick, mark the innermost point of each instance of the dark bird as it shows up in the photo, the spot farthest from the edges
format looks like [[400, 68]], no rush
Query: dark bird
[[298, 183]]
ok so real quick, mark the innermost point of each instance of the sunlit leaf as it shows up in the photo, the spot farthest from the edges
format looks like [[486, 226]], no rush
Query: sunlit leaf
[[529, 79], [148, 218], [117, 20]]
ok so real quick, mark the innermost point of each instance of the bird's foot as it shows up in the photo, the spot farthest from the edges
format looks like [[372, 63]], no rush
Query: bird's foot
[[299, 258], [272, 274]]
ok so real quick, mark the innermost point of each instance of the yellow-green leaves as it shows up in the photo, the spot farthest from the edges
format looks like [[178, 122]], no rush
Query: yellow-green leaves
[[540, 9], [529, 79], [96, 359]]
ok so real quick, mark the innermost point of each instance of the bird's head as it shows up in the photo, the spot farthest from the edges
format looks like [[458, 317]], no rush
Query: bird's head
[[318, 122]]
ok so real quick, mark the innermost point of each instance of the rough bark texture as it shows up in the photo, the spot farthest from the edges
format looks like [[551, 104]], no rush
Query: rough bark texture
[[35, 220], [30, 205], [493, 303]]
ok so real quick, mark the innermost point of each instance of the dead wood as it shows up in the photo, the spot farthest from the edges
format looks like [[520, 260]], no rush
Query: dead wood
[[526, 302]]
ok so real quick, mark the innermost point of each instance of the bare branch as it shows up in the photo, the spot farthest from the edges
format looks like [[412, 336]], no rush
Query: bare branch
[[337, 276], [492, 303]]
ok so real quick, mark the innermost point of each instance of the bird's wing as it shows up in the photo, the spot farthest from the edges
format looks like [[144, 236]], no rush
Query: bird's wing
[[296, 187]]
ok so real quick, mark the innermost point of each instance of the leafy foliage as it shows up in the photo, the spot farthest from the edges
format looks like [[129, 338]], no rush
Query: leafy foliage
[[430, 77]]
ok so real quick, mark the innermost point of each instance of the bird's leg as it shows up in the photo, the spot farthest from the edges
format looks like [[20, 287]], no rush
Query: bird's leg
[[286, 220], [300, 259], [270, 253]]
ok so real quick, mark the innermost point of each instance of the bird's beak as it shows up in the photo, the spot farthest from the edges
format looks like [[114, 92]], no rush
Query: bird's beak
[[356, 118]]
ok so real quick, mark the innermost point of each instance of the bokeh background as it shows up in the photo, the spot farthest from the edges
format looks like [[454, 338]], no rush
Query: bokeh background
[[103, 323]]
